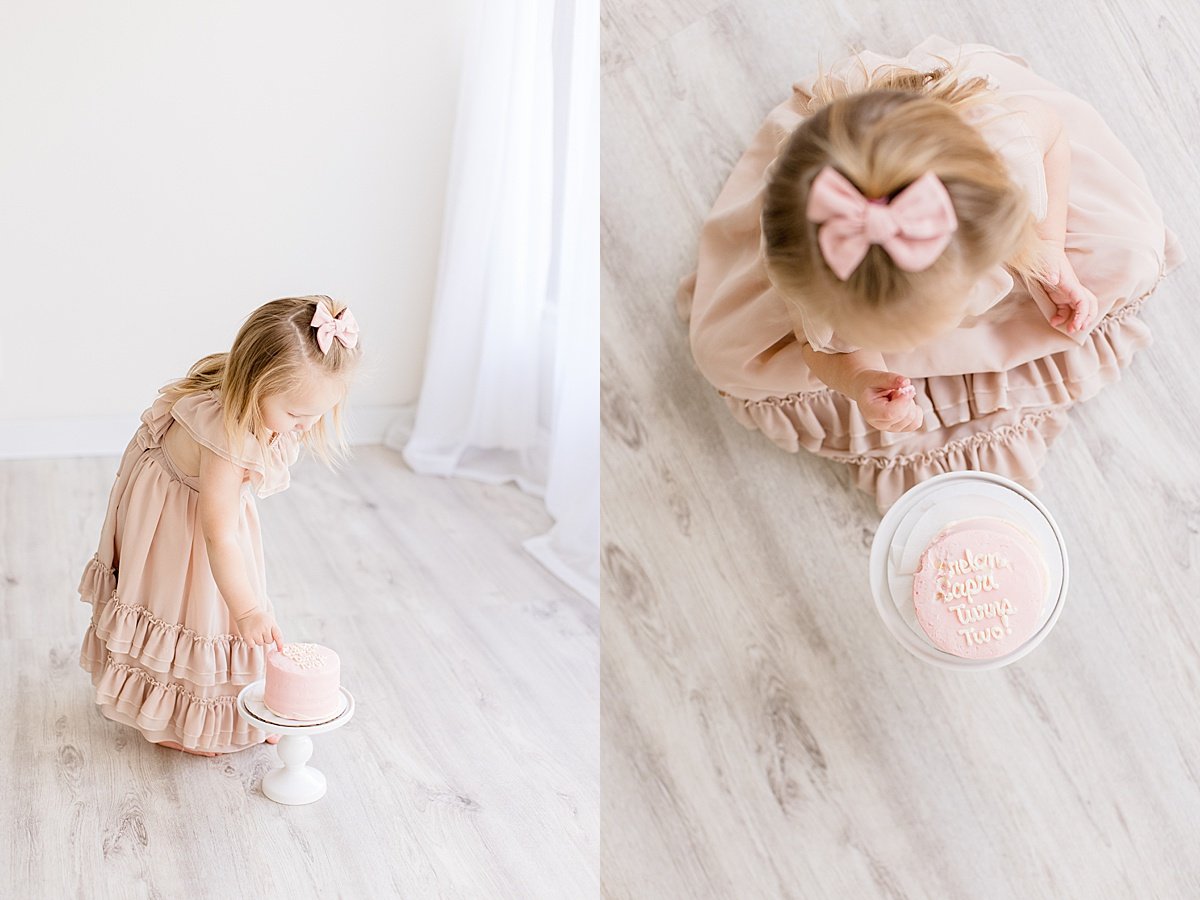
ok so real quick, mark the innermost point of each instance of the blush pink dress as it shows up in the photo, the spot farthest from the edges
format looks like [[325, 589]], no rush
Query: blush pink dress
[[995, 391], [162, 649]]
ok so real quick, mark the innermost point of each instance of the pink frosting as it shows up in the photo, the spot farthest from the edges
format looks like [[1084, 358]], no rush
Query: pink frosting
[[979, 588], [302, 682]]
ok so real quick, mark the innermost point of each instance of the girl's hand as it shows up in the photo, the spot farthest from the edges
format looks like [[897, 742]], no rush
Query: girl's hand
[[886, 401], [258, 627], [1077, 306]]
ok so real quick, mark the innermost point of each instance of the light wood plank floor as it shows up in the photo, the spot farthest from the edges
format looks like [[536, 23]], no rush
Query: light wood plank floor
[[470, 769], [763, 735]]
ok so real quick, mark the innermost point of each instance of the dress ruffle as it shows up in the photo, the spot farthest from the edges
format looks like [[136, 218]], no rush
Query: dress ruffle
[[142, 695], [97, 582], [164, 711], [165, 648], [1008, 419]]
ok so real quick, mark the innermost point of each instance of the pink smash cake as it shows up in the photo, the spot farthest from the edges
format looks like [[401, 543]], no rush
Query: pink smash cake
[[303, 682], [980, 588]]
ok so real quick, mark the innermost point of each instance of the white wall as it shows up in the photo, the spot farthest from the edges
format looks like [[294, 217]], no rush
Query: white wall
[[165, 168]]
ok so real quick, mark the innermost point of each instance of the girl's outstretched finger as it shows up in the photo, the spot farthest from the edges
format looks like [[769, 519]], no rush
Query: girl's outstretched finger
[[901, 387]]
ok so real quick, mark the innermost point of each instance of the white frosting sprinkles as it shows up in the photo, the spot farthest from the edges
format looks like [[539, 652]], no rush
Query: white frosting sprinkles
[[306, 656]]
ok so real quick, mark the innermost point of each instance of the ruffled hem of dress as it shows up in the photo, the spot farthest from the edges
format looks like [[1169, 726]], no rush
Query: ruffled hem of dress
[[166, 648], [1016, 450], [829, 424], [163, 711]]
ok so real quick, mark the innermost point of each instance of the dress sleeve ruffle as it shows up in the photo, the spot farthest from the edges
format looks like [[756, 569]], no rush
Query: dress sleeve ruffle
[[821, 336], [200, 414]]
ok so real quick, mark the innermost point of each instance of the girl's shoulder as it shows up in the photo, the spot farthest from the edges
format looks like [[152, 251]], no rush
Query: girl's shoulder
[[202, 415], [1019, 130], [824, 339], [817, 331]]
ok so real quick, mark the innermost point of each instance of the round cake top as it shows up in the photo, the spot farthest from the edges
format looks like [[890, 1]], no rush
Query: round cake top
[[304, 658], [980, 588]]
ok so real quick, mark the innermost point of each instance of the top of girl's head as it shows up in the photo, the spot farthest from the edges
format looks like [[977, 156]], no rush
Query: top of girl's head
[[300, 352], [881, 141], [314, 333]]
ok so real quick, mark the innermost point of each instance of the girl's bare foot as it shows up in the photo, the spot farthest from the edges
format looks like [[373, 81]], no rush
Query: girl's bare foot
[[174, 746], [273, 738]]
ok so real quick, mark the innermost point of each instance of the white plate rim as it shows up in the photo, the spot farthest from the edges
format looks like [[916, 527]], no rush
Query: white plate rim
[[293, 724], [878, 575]]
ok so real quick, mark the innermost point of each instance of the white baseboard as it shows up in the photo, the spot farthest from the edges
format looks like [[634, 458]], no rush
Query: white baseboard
[[369, 424], [110, 435]]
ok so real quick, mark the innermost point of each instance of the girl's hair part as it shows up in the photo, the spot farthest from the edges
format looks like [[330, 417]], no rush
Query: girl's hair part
[[275, 349], [882, 138]]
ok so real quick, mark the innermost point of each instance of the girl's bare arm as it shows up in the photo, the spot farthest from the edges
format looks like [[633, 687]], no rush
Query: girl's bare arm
[[842, 371], [220, 499]]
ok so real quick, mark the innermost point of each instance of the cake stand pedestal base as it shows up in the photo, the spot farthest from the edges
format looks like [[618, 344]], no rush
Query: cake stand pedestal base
[[295, 782]]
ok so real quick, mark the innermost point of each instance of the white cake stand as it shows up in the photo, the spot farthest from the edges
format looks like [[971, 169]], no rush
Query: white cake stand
[[919, 514], [295, 783]]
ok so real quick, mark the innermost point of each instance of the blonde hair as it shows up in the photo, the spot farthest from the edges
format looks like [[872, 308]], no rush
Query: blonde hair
[[275, 348], [904, 123]]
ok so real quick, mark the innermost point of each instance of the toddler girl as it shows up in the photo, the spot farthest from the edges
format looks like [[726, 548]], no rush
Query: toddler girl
[[180, 614], [921, 263]]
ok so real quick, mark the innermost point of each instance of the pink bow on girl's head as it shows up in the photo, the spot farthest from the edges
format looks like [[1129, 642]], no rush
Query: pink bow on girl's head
[[914, 228], [343, 327]]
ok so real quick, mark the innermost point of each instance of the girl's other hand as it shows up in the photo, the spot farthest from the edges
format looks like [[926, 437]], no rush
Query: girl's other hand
[[886, 401], [259, 628], [1077, 306]]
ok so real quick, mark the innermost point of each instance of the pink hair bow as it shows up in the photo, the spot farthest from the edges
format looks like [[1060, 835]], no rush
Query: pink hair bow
[[343, 327], [914, 228]]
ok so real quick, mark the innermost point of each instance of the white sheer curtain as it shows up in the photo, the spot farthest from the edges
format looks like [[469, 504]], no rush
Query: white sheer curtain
[[511, 384]]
